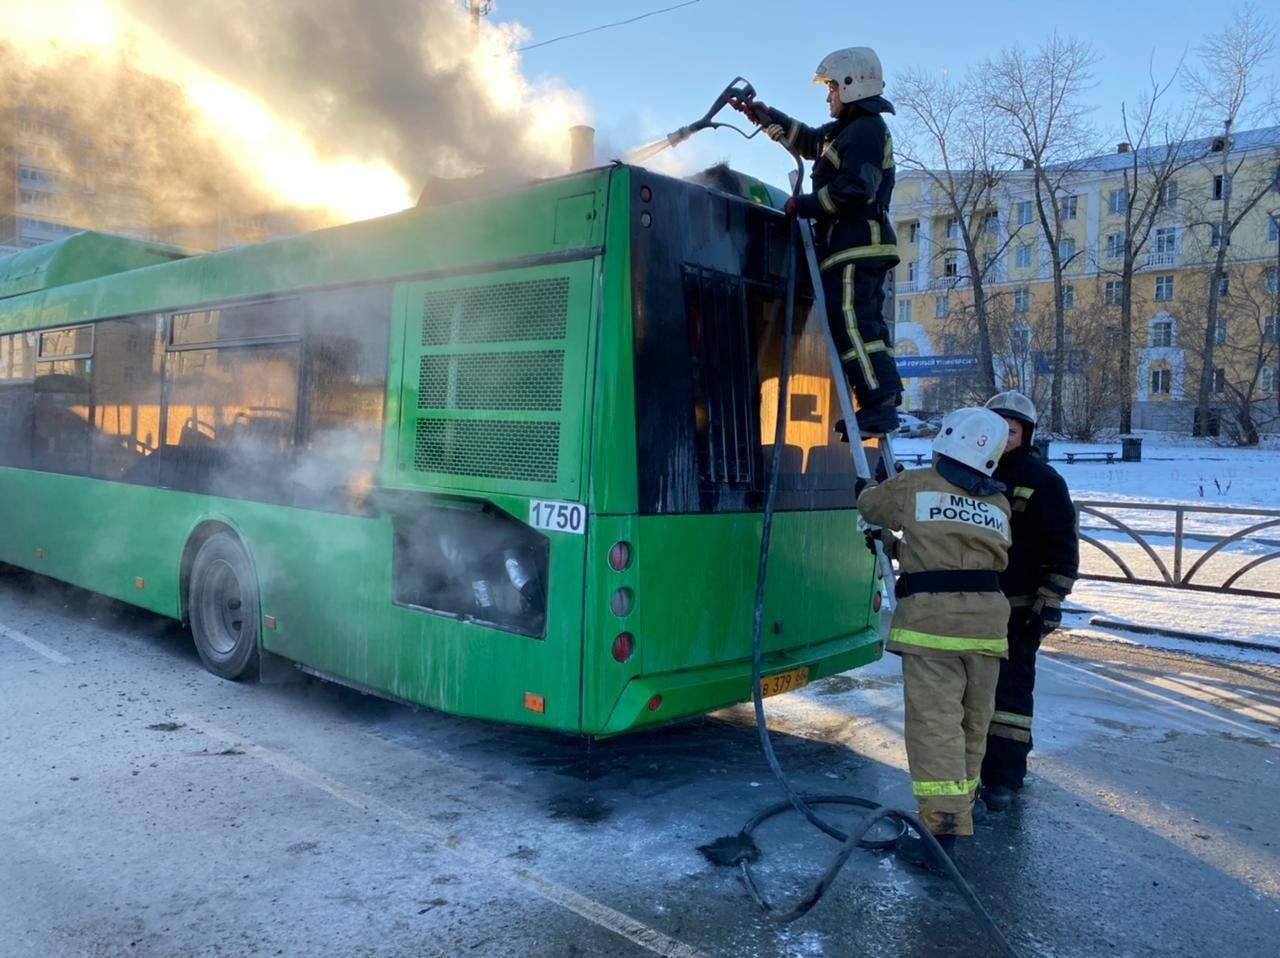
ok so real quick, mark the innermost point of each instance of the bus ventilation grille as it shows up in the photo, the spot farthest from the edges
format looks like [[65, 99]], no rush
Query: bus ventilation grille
[[511, 380], [501, 313], [491, 380], [497, 449]]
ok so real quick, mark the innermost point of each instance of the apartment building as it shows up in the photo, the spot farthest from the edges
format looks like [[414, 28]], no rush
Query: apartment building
[[934, 289]]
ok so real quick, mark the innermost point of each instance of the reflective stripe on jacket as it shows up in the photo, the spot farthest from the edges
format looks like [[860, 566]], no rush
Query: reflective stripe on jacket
[[944, 528], [853, 177]]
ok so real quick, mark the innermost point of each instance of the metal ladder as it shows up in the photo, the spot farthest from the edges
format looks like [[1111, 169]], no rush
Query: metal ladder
[[861, 466]]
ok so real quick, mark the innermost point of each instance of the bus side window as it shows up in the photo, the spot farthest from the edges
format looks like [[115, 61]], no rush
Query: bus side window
[[346, 386], [63, 400], [129, 355], [229, 420], [17, 397]]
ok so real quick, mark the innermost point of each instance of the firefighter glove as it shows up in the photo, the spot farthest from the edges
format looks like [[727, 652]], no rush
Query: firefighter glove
[[774, 131], [873, 537], [1043, 619]]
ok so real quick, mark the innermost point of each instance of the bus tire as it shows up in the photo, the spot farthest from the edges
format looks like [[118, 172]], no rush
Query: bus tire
[[223, 607]]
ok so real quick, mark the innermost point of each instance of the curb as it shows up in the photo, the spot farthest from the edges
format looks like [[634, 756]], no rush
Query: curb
[[1105, 623]]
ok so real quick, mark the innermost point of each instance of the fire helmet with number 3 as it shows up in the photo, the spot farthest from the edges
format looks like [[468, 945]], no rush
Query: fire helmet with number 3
[[974, 436], [855, 70]]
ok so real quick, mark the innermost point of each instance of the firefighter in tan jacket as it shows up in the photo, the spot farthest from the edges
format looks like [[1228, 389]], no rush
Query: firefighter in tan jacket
[[950, 625]]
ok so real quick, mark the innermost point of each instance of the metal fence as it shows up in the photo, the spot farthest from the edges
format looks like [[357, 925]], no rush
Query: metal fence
[[1233, 527]]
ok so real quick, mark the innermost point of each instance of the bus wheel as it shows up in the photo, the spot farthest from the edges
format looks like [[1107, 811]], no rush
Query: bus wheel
[[222, 603]]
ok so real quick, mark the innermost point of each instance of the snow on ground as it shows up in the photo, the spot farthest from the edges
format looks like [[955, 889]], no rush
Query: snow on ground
[[1173, 472]]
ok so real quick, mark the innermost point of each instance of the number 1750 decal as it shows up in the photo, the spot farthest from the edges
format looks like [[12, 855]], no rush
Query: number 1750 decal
[[558, 516]]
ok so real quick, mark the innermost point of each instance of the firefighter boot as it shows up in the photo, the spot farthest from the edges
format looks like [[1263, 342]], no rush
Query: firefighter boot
[[879, 417], [918, 851], [998, 797]]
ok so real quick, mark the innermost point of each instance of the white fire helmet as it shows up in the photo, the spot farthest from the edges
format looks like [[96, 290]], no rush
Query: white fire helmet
[[1013, 404], [973, 436], [855, 69]]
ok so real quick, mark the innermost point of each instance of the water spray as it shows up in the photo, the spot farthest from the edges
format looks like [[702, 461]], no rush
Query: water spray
[[739, 90]]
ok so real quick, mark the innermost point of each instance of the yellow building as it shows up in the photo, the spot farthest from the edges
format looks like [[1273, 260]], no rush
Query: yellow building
[[935, 331]]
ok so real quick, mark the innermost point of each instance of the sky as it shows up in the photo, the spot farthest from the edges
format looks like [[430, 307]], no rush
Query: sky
[[647, 78]]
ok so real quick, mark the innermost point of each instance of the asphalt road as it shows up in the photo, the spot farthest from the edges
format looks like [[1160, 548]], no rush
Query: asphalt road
[[148, 808]]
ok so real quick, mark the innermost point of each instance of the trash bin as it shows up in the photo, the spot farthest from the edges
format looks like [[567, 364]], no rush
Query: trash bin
[[1131, 449], [1040, 448]]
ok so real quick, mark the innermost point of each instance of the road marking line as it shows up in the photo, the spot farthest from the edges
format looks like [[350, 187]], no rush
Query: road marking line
[[51, 654], [608, 918]]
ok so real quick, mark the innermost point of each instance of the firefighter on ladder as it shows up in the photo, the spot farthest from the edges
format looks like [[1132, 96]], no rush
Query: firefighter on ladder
[[1043, 562], [853, 175], [949, 625]]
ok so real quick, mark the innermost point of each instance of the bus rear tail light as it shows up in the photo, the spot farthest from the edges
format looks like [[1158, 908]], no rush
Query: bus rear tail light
[[620, 602], [620, 556], [535, 703], [876, 601], [655, 703], [623, 646]]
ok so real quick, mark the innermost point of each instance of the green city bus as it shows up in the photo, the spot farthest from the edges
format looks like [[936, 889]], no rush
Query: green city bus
[[503, 457]]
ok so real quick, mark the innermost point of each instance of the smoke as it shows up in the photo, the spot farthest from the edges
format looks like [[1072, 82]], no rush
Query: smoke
[[347, 104]]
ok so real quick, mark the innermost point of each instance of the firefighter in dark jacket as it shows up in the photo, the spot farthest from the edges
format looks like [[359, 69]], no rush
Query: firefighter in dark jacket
[[1043, 563], [949, 626], [853, 175]]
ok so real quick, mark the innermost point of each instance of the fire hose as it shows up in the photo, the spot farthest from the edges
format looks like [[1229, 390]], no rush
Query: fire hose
[[741, 849]]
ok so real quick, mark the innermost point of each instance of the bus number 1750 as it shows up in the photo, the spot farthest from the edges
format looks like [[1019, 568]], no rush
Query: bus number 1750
[[558, 516]]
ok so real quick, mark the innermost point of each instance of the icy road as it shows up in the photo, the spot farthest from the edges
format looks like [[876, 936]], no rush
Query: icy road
[[150, 809]]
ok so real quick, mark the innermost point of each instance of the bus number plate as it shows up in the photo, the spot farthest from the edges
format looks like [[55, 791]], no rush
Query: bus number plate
[[558, 516], [781, 682]]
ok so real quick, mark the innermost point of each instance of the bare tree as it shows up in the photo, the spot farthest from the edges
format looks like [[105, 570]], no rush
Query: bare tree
[[953, 135], [1228, 83], [1041, 93], [1245, 347], [1160, 145]]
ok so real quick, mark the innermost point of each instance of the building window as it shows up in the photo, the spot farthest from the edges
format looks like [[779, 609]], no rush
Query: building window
[[953, 228], [1162, 333], [1224, 285], [991, 222], [1113, 292], [1067, 250], [1273, 280], [1115, 245], [912, 271], [1020, 338], [1161, 382], [904, 310], [941, 307], [1220, 332], [1273, 229], [1166, 240], [1021, 299], [951, 267], [1024, 212], [1068, 296], [1168, 195], [1218, 182], [1267, 382], [1067, 206], [1215, 235], [1117, 202], [1219, 381], [1022, 256], [1164, 288], [913, 232], [1271, 329]]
